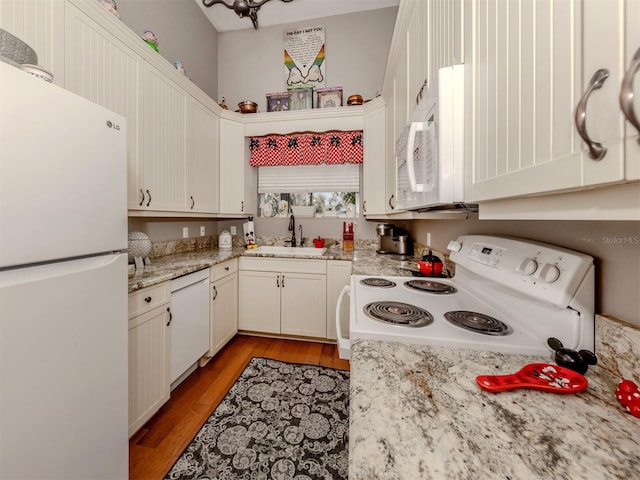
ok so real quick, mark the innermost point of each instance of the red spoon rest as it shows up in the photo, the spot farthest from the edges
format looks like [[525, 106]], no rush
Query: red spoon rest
[[539, 376]]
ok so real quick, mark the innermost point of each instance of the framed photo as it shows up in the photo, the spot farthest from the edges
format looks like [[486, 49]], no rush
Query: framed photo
[[301, 98], [329, 97], [278, 102]]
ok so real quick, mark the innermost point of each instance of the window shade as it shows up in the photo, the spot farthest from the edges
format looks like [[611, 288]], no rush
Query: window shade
[[309, 178]]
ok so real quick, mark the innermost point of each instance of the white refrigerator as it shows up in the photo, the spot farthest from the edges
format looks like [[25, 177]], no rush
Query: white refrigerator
[[63, 284]]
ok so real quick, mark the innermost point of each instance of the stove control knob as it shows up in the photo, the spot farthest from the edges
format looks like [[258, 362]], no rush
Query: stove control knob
[[549, 273], [454, 246], [527, 266]]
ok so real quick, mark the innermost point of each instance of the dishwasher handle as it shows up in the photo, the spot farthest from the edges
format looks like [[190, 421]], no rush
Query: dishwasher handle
[[344, 344]]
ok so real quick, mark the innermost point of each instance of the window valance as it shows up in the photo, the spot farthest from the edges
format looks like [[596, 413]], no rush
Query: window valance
[[307, 148]]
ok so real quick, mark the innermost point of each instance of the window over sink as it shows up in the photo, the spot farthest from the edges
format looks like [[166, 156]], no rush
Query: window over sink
[[332, 189]]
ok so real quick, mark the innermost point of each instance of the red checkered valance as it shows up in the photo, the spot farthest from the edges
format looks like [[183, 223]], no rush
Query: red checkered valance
[[306, 149]]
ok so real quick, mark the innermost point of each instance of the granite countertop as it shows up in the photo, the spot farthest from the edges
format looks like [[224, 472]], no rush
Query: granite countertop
[[416, 412], [173, 266]]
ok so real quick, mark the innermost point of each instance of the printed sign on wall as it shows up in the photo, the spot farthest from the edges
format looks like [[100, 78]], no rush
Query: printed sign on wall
[[304, 60]]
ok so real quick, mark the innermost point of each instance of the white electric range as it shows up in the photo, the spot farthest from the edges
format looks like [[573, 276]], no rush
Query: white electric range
[[508, 295]]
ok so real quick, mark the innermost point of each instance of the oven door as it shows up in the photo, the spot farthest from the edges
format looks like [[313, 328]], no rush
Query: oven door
[[342, 336]]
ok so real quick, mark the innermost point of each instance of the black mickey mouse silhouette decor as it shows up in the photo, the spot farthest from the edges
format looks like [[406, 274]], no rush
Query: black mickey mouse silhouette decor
[[578, 361]]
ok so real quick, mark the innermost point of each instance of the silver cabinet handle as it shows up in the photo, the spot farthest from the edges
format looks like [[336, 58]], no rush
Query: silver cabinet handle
[[364, 207], [193, 202], [596, 150], [278, 281], [149, 194], [390, 205], [170, 316], [141, 193], [283, 280], [242, 206], [215, 293], [626, 92]]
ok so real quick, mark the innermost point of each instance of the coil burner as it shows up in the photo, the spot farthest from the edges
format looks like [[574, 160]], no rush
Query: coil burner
[[478, 322], [398, 313], [430, 286], [377, 282]]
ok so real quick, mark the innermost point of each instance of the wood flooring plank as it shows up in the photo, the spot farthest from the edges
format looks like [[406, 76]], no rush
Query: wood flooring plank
[[156, 446]]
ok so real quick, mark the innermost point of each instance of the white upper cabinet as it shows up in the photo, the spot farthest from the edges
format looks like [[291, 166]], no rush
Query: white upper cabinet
[[40, 24], [233, 166], [163, 173], [202, 159], [374, 165], [545, 85], [113, 82]]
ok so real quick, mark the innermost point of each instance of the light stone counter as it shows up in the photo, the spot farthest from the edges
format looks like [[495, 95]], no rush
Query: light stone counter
[[176, 265], [417, 413]]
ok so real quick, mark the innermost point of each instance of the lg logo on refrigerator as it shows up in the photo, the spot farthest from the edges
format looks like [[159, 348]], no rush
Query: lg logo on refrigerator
[[113, 125]]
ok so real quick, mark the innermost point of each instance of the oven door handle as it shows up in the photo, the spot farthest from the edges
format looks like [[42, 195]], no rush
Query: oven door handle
[[344, 344]]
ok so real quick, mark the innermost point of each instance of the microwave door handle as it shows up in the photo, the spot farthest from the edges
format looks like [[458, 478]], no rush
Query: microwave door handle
[[413, 128]]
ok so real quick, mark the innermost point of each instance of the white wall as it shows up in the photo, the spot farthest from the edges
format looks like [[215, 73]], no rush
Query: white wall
[[184, 33], [614, 245], [251, 63]]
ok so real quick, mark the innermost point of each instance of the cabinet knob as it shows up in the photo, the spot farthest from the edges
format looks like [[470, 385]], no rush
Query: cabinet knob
[[596, 150], [226, 268], [147, 299]]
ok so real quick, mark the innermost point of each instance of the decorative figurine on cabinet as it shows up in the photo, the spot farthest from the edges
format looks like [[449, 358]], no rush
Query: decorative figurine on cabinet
[[111, 7], [150, 39], [180, 67]]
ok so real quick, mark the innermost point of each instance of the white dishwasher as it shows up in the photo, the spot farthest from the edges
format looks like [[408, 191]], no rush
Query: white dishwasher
[[189, 323]]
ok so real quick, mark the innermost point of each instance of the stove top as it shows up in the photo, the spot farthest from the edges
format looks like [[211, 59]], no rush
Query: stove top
[[508, 295]]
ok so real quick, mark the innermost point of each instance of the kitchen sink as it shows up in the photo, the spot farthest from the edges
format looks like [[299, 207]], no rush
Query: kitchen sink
[[287, 251]]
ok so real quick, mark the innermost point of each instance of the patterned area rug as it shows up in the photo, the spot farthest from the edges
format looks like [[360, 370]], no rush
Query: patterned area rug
[[279, 421]]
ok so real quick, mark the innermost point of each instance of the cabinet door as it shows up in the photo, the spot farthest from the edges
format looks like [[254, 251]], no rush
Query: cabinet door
[[232, 167], [259, 305], [338, 276], [603, 48], [373, 168], [303, 303], [632, 135], [224, 312], [164, 143], [418, 51], [104, 70], [40, 24], [202, 159], [148, 365]]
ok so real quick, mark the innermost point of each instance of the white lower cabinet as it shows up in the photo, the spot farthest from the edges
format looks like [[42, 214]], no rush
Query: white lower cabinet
[[338, 276], [149, 343], [283, 296], [223, 313]]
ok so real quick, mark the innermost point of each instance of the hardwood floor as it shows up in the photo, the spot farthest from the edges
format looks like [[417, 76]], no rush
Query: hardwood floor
[[157, 445]]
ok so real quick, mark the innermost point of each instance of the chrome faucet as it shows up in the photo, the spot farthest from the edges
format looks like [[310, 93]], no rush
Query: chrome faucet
[[292, 229]]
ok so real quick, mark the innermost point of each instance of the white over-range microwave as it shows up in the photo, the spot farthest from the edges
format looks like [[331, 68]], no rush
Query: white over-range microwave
[[430, 150]]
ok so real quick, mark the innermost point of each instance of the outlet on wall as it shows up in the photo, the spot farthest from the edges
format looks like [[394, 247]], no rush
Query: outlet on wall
[[185, 232], [202, 231], [233, 229]]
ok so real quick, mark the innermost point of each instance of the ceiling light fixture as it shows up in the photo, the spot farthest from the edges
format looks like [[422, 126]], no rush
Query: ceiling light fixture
[[243, 8]]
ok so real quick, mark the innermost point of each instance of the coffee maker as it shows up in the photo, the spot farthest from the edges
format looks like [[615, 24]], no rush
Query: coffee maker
[[393, 240]]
